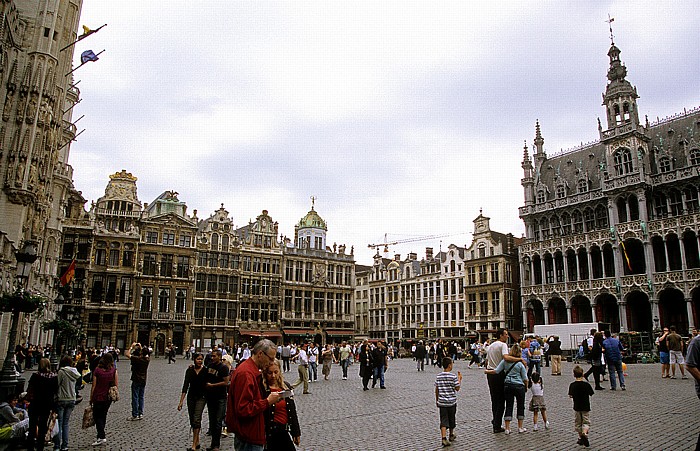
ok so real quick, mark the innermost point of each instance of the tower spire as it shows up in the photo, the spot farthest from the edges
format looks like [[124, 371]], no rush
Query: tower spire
[[610, 21]]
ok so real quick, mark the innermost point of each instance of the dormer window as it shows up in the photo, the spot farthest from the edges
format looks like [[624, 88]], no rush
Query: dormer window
[[664, 165], [623, 162], [582, 186], [695, 157], [561, 192], [540, 197]]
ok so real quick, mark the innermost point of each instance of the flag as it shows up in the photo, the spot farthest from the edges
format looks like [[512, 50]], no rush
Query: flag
[[87, 31], [627, 259], [67, 276], [87, 56]]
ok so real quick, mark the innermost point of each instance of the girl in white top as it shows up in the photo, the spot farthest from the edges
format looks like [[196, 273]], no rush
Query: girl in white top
[[537, 402]]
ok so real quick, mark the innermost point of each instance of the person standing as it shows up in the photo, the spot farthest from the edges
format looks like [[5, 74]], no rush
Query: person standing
[[664, 356], [613, 356], [194, 388], [312, 352], [327, 358], [286, 354], [597, 359], [302, 368], [140, 359], [514, 387], [420, 356], [535, 357], [344, 356], [365, 364], [497, 351], [67, 376], [217, 382], [555, 354], [447, 384], [245, 405], [675, 349], [42, 387], [104, 377], [281, 418], [692, 363], [381, 363]]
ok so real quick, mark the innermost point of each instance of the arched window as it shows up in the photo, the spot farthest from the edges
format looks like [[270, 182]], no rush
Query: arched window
[[589, 219], [556, 226], [146, 299], [601, 217], [626, 112], [623, 162], [691, 199], [675, 202], [578, 222], [163, 300], [660, 207], [214, 241], [621, 204], [181, 300], [616, 110], [566, 224], [633, 203], [544, 227], [224, 243], [664, 165]]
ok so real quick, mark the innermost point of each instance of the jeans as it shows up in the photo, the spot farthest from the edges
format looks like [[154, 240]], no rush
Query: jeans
[[217, 411], [137, 393], [498, 399], [378, 374], [536, 364], [240, 445], [512, 393], [615, 367], [64, 410], [313, 374], [99, 413], [344, 365]]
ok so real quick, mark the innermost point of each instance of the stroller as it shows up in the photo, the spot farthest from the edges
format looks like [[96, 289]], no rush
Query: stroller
[[580, 355]]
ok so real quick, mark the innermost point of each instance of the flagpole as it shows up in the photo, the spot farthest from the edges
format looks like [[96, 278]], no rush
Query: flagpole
[[79, 100], [71, 140], [82, 64], [82, 36]]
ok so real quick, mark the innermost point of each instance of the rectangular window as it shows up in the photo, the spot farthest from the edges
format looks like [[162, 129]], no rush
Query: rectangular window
[[111, 294], [307, 302], [246, 263], [125, 291], [256, 264], [198, 309], [202, 258], [213, 260], [183, 266], [255, 287], [200, 282], [211, 283], [149, 264], [495, 277], [308, 270], [223, 284], [234, 261], [169, 238], [275, 266], [297, 301], [233, 284], [245, 286], [245, 309], [265, 287], [484, 303], [166, 265], [151, 237], [288, 300], [100, 257], [289, 270], [496, 302], [224, 261], [266, 265], [128, 258], [254, 312], [483, 276], [185, 240], [114, 257], [471, 275]]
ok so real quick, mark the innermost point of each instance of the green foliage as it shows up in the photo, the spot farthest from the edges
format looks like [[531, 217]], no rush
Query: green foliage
[[22, 301], [62, 327]]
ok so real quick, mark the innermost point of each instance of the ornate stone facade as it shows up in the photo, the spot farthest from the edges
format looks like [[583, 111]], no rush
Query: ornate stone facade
[[612, 226]]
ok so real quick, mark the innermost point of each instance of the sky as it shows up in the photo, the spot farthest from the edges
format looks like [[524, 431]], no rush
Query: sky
[[400, 118]]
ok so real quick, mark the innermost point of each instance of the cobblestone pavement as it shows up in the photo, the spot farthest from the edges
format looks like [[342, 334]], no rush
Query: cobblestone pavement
[[653, 414]]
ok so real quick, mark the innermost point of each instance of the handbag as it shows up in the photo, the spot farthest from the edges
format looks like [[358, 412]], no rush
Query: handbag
[[52, 429], [113, 394], [88, 418], [503, 374]]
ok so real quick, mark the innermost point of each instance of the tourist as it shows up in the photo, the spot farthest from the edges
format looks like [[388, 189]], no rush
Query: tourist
[[675, 348], [381, 363], [580, 391], [281, 418], [664, 356], [41, 390], [692, 363], [104, 376], [246, 406], [217, 383], [327, 359], [613, 356], [194, 388], [555, 354], [366, 368], [15, 418], [419, 355], [596, 356], [447, 384], [286, 354], [312, 352], [303, 368], [344, 355], [140, 359], [513, 387], [537, 404], [496, 352], [65, 400]]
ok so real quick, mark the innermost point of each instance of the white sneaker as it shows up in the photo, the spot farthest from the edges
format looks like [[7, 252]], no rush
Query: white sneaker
[[507, 431], [100, 442], [546, 424], [521, 430], [535, 427]]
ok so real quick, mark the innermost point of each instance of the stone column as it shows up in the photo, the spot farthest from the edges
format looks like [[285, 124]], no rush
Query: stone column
[[524, 310], [691, 318], [546, 315], [623, 316], [568, 314], [593, 313]]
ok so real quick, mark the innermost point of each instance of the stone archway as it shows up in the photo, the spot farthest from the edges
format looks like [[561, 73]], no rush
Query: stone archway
[[639, 312], [557, 311], [673, 310], [581, 310], [608, 311], [535, 314]]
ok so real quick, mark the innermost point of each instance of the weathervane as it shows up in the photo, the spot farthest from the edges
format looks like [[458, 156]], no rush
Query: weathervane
[[610, 21], [313, 201]]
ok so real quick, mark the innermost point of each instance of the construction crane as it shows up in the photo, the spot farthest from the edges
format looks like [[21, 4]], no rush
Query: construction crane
[[387, 243]]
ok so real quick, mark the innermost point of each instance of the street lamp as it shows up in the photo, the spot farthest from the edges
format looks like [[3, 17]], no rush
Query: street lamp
[[9, 381], [55, 342]]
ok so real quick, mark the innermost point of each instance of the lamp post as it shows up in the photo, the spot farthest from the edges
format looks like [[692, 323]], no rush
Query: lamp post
[[56, 339], [9, 381]]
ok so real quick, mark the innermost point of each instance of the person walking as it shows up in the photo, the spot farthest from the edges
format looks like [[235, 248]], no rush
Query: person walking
[[613, 356], [344, 354], [194, 387], [675, 349], [381, 363], [420, 356], [692, 363], [215, 393], [302, 368], [41, 390], [447, 384], [65, 400], [281, 419], [366, 367], [664, 356], [312, 352], [104, 377], [286, 354], [327, 359], [140, 359], [580, 391]]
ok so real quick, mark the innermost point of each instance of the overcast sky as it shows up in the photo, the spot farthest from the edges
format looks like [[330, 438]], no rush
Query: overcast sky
[[402, 118]]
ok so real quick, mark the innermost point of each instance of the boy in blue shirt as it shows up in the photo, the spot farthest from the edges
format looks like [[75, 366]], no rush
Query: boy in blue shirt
[[446, 387]]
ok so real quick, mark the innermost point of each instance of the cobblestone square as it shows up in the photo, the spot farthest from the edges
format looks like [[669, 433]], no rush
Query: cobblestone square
[[653, 414]]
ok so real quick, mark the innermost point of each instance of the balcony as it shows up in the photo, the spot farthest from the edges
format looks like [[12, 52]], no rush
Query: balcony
[[161, 316]]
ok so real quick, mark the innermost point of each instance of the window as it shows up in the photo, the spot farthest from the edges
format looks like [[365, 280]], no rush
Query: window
[[114, 257], [128, 256], [183, 266], [540, 197], [151, 237], [691, 199], [582, 186], [215, 241], [675, 202], [125, 291], [149, 264], [561, 192], [623, 162], [166, 265], [601, 217], [164, 300], [181, 300], [266, 265], [308, 272], [246, 263], [589, 219], [169, 238], [578, 222], [496, 302], [494, 272], [566, 224], [198, 309], [256, 264], [212, 283], [695, 157], [111, 289], [233, 284], [484, 303], [185, 240], [482, 274], [664, 165], [224, 261], [200, 282], [146, 299], [100, 256]]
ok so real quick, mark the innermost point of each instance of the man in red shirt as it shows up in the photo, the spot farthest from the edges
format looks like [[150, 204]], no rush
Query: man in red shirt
[[246, 406]]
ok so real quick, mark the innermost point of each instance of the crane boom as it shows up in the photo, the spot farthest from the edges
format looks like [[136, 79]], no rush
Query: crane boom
[[387, 243]]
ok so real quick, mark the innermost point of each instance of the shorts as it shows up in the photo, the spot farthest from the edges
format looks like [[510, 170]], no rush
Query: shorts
[[663, 358], [583, 422], [447, 417], [677, 357]]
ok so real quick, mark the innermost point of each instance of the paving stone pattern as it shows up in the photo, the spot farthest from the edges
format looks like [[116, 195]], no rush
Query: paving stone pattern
[[653, 414]]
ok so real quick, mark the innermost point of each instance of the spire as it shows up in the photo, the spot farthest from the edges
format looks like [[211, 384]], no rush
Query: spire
[[526, 155], [539, 141]]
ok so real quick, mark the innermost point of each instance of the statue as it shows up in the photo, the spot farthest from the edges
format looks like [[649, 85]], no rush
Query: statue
[[19, 174], [643, 226], [612, 233]]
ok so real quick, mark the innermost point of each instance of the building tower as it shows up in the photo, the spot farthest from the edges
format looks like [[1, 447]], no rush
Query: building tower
[[311, 230]]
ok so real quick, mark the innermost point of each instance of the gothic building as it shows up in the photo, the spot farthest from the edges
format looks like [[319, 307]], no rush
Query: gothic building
[[460, 293], [35, 136], [612, 226]]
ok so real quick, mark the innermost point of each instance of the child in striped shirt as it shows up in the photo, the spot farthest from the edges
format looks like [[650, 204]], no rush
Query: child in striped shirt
[[446, 388]]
